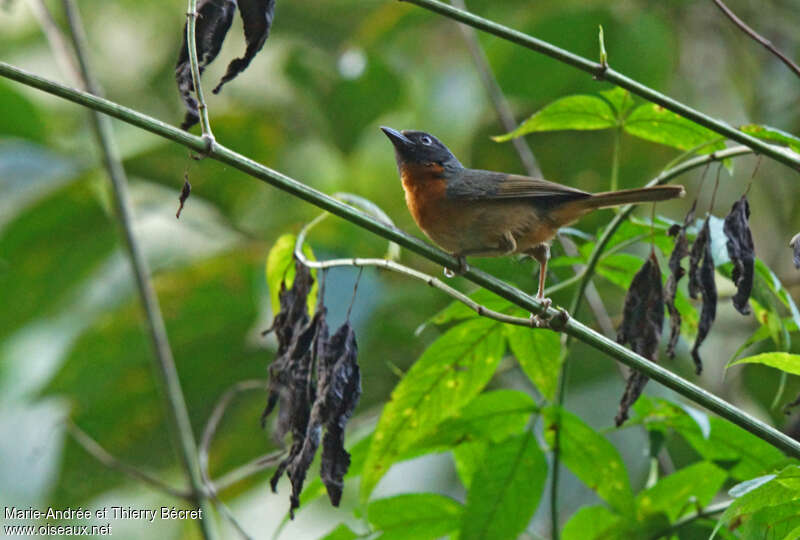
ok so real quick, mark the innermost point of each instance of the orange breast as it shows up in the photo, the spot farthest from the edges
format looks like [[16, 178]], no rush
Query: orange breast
[[425, 189]]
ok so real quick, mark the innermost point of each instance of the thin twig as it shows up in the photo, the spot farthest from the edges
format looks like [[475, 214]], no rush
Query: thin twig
[[174, 402], [248, 469], [304, 192], [61, 49], [757, 37], [94, 449], [191, 43], [708, 511], [208, 435]]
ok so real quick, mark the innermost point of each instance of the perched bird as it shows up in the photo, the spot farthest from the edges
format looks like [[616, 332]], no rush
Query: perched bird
[[470, 212]]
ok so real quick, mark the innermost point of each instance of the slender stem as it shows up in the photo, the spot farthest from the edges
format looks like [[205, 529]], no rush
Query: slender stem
[[94, 449], [572, 327], [191, 43], [496, 95], [615, 159], [174, 403], [757, 37], [248, 469], [700, 514], [62, 52], [608, 74], [208, 436]]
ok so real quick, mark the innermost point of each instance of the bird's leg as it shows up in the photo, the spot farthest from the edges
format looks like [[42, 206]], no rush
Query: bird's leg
[[541, 253], [507, 246]]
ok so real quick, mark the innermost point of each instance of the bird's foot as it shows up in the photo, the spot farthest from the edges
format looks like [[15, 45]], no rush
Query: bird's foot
[[460, 269], [546, 320]]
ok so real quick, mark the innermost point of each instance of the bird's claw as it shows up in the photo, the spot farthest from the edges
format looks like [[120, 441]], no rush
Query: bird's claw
[[460, 269], [546, 320]]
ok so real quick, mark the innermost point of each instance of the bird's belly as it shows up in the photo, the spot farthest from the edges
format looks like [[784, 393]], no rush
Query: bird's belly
[[463, 226]]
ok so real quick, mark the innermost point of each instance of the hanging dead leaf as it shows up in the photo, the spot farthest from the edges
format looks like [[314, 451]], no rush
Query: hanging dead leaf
[[642, 323], [701, 281], [257, 16], [742, 253], [214, 18], [680, 251]]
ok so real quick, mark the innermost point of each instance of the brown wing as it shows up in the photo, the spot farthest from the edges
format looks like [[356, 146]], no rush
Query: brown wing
[[477, 184]]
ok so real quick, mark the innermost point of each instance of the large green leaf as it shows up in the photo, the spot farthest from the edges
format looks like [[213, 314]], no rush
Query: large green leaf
[[492, 416], [448, 375], [20, 117], [591, 458], [417, 516], [539, 355], [681, 491], [773, 134], [594, 522], [780, 522], [505, 490], [468, 458], [342, 532], [790, 363], [580, 112], [655, 123], [728, 446]]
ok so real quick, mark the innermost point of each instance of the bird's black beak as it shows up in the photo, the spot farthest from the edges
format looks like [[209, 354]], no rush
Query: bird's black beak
[[399, 140]]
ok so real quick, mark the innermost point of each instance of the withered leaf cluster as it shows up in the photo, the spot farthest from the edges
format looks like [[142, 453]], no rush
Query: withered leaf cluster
[[741, 252], [794, 243], [316, 382], [642, 322], [214, 19], [680, 251], [701, 282]]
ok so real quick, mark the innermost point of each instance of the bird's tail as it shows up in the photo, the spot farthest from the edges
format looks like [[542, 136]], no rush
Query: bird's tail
[[631, 196]]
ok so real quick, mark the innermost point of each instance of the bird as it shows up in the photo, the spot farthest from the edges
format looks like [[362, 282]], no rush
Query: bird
[[472, 212]]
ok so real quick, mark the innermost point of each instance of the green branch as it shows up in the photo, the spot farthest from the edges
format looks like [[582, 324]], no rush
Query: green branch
[[603, 72], [487, 281], [174, 402]]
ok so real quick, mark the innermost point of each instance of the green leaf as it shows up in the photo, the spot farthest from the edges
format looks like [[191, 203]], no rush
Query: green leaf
[[20, 117], [415, 516], [280, 269], [620, 99], [448, 375], [539, 355], [655, 123], [342, 532], [741, 453], [580, 112], [790, 363], [594, 522], [591, 458], [468, 458], [506, 490], [681, 491], [492, 416], [773, 134], [773, 523], [781, 489]]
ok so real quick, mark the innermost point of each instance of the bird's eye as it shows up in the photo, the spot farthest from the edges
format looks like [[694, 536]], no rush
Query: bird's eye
[[425, 140]]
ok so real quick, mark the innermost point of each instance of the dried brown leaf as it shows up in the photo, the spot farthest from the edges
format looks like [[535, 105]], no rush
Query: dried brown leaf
[[642, 323], [701, 281], [680, 251], [742, 253], [795, 244], [214, 18], [257, 16]]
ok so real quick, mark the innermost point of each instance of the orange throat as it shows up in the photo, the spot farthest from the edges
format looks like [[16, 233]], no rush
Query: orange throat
[[425, 187]]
